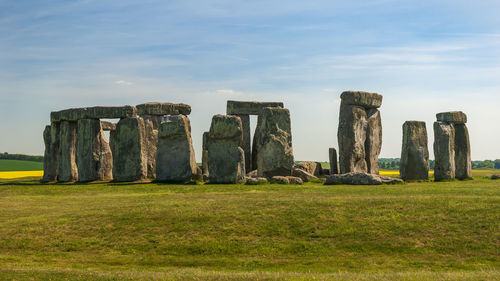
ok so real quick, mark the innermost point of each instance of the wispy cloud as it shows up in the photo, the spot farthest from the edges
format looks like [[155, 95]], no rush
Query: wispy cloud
[[123, 82]]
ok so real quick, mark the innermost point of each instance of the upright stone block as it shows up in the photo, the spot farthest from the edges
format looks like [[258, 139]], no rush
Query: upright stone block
[[332, 157], [204, 156], [463, 163], [373, 143], [67, 168], [51, 155], [246, 145], [273, 139], [415, 153], [129, 150], [94, 158], [444, 151], [151, 145], [352, 137], [175, 159], [226, 158]]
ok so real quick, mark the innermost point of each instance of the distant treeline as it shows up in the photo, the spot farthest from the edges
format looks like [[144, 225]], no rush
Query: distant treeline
[[7, 156], [393, 164]]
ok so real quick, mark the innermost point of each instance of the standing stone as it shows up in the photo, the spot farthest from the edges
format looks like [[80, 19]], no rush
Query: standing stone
[[175, 159], [274, 143], [332, 156], [415, 154], [463, 163], [373, 143], [155, 119], [94, 158], [67, 170], [151, 143], [226, 158], [444, 151], [129, 150], [359, 132], [352, 138], [51, 155], [204, 156], [246, 145]]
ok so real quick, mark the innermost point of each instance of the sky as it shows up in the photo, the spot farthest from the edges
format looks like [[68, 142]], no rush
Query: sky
[[424, 57]]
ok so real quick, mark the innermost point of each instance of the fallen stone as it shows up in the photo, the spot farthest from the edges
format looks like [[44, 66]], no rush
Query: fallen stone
[[495, 177], [97, 112], [455, 117], [360, 179], [94, 158], [363, 99], [332, 157], [325, 171], [294, 180], [351, 138], [163, 108], [274, 152], [311, 167], [463, 163], [444, 151], [256, 181], [108, 126], [175, 159], [51, 154], [129, 150], [252, 174], [415, 153], [249, 107], [280, 180], [226, 159], [67, 168], [304, 175]]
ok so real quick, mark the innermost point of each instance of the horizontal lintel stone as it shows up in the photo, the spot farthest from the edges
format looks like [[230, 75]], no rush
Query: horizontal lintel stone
[[457, 117], [249, 107], [163, 108], [97, 112], [363, 99]]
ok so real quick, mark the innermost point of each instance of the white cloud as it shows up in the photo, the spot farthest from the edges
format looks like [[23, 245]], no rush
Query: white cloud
[[123, 82]]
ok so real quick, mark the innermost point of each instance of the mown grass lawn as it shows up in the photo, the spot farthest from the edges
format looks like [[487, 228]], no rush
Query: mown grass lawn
[[418, 231]]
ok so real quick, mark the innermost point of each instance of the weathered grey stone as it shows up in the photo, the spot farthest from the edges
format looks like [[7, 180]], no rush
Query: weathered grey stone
[[363, 99], [444, 151], [163, 108], [97, 112], [373, 143], [280, 180], [463, 163], [246, 144], [303, 174], [249, 107], [325, 172], [360, 179], [495, 177], [129, 150], [204, 155], [414, 154], [108, 126], [313, 168], [332, 157], [252, 174], [155, 119], [274, 143], [67, 168], [51, 155], [455, 117], [256, 181], [175, 159], [226, 159], [351, 138], [295, 180], [151, 145], [94, 158]]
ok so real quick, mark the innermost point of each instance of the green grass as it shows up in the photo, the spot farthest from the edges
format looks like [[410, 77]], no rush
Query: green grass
[[20, 165], [418, 231]]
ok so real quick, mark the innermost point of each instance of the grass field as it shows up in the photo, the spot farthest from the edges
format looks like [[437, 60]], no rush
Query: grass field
[[20, 165], [418, 231]]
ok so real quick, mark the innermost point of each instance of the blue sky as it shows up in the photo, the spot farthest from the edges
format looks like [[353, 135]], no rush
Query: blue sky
[[423, 56]]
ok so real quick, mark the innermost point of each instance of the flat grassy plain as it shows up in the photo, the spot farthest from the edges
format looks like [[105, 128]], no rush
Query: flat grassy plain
[[110, 231], [20, 165]]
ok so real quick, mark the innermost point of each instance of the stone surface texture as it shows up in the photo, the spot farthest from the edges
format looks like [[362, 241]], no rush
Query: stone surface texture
[[67, 168], [463, 163], [414, 163], [151, 135], [129, 150], [363, 99], [332, 157], [444, 151], [273, 143], [360, 179], [175, 159], [455, 117], [313, 168], [97, 112], [163, 108], [249, 107], [51, 154], [94, 158], [108, 126], [226, 158]]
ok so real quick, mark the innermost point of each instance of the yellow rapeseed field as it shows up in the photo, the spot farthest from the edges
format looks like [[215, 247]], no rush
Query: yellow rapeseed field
[[396, 173], [20, 174]]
